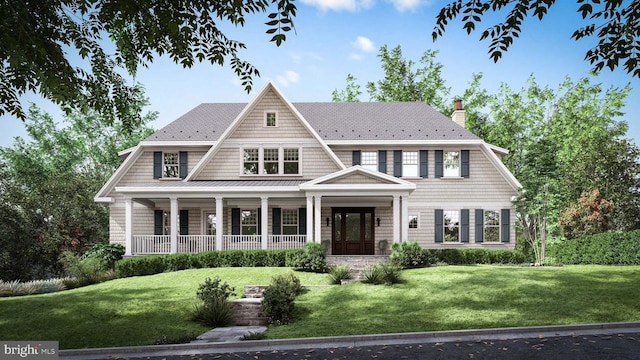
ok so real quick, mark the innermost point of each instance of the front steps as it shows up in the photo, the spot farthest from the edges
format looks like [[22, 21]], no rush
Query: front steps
[[248, 308]]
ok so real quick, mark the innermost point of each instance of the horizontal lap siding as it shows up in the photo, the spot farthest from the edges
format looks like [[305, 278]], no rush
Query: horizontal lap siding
[[116, 225], [225, 165], [354, 179], [141, 172]]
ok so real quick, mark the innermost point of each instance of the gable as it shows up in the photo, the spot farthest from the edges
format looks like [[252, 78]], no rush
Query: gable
[[357, 178]]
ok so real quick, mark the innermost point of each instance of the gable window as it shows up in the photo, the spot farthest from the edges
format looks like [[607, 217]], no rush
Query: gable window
[[170, 165], [369, 160], [451, 164], [491, 226], [251, 159], [451, 226], [270, 119], [270, 161], [291, 161], [410, 164], [289, 221], [413, 221], [249, 222]]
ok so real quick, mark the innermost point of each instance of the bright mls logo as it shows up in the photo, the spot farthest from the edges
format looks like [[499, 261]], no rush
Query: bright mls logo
[[29, 350]]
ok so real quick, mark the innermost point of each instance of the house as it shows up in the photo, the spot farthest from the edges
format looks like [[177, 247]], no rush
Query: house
[[272, 174]]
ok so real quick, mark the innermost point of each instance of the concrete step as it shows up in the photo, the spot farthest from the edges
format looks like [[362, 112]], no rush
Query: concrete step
[[249, 312], [254, 291]]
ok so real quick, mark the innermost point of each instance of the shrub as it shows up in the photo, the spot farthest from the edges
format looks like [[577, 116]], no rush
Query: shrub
[[312, 259], [387, 274], [278, 298], [88, 270], [408, 255], [17, 288], [372, 275], [109, 254], [604, 249], [214, 308], [339, 273]]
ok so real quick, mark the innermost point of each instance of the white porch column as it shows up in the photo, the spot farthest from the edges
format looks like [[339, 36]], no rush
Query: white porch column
[[396, 218], [309, 218], [264, 221], [128, 226], [317, 216], [219, 222], [174, 225], [404, 222]]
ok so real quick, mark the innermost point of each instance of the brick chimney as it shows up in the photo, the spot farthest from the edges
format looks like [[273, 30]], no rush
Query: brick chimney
[[458, 113]]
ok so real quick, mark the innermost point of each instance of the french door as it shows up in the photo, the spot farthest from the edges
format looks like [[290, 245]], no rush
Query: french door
[[352, 231]]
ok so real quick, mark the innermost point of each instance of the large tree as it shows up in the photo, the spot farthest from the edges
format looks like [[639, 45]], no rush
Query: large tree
[[614, 24], [74, 52]]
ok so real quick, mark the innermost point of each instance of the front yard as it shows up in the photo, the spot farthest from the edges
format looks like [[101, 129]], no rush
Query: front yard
[[141, 310]]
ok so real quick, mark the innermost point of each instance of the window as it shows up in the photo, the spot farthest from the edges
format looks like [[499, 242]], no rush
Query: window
[[451, 164], [491, 226], [270, 160], [291, 160], [270, 119], [451, 226], [170, 165], [413, 221], [410, 164], [251, 158], [210, 219], [289, 221], [369, 160], [249, 222]]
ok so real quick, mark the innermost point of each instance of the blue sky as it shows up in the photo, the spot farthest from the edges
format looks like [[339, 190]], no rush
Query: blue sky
[[338, 37]]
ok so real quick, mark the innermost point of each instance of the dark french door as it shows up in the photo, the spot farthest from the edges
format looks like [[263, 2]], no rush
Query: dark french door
[[352, 231]]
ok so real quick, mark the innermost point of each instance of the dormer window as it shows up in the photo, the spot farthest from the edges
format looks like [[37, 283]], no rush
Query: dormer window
[[271, 119], [170, 165], [270, 161]]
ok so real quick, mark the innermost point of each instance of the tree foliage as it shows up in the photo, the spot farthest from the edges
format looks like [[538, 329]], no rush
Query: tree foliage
[[589, 216], [615, 24], [39, 39], [350, 94], [47, 187]]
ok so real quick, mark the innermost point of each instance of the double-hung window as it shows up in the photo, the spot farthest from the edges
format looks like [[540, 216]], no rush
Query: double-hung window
[[271, 119], [270, 161], [249, 222], [170, 165], [289, 221], [410, 164], [251, 161], [369, 160], [491, 226], [291, 161], [451, 226], [451, 164]]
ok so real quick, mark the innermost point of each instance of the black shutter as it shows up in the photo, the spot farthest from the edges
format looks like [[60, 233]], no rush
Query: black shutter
[[355, 157], [184, 222], [424, 163], [158, 222], [382, 161], [439, 164], [464, 225], [397, 163], [505, 226], [479, 225], [302, 221], [464, 167], [235, 221], [259, 221], [439, 221], [157, 165], [184, 168], [276, 221]]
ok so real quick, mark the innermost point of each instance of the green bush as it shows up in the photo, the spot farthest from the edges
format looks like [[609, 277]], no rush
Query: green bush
[[278, 298], [214, 308], [17, 288], [408, 255], [312, 259], [387, 274], [603, 249], [87, 270], [339, 273], [109, 254], [471, 256]]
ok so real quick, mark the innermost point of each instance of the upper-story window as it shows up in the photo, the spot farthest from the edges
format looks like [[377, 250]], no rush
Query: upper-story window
[[271, 119], [251, 161], [170, 165], [271, 161], [410, 164], [413, 221], [369, 160], [291, 161], [451, 163]]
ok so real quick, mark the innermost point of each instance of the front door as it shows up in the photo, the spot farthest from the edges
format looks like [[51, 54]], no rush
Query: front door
[[352, 231]]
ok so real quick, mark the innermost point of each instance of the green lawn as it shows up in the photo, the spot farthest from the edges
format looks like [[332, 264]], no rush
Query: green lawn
[[140, 310]]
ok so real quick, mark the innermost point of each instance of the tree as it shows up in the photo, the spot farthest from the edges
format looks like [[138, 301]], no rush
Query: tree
[[47, 187], [38, 39], [350, 94], [590, 216], [614, 23]]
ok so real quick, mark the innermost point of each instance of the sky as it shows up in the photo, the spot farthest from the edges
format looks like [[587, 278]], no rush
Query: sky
[[334, 38]]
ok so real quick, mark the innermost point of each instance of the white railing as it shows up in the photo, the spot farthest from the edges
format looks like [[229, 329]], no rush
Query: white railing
[[241, 242], [150, 244], [196, 243], [284, 242]]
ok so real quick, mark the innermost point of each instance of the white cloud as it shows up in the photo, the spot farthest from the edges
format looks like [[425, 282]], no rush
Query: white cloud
[[339, 5], [363, 44], [354, 56], [408, 5], [289, 77]]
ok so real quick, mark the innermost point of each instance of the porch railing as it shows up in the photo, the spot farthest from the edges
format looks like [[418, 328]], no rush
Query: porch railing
[[196, 243], [161, 244], [241, 242], [284, 242], [151, 244]]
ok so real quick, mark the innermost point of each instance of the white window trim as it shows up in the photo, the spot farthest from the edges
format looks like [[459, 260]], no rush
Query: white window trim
[[444, 165], [417, 165], [261, 161], [203, 217], [484, 227], [373, 166], [289, 225], [170, 178], [444, 227], [265, 118], [417, 215], [257, 224]]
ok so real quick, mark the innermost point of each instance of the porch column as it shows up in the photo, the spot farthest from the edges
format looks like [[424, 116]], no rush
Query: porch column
[[174, 225], [128, 226], [396, 218], [317, 216], [309, 218], [404, 219], [264, 221], [219, 222]]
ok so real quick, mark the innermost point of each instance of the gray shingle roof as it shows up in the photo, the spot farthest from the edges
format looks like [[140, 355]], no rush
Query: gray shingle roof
[[332, 121]]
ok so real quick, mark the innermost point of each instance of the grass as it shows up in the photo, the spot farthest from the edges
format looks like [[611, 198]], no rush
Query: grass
[[143, 310]]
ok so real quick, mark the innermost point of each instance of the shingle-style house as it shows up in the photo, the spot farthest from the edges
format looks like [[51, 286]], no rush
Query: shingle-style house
[[272, 174]]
